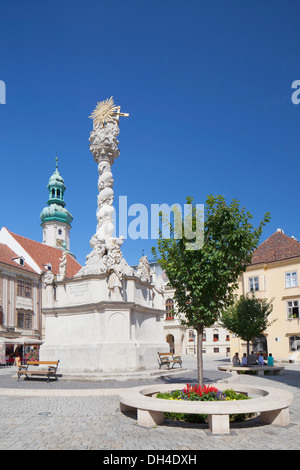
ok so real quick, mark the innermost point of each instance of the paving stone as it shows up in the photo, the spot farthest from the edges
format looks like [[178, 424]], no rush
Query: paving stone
[[95, 422]]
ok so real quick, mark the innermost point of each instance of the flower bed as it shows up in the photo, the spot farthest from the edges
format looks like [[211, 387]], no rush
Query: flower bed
[[206, 393], [33, 355]]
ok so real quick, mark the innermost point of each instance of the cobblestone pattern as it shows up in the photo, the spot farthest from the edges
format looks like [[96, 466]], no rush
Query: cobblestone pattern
[[95, 423]]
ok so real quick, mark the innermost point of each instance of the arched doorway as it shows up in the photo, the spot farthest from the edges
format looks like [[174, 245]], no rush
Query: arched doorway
[[170, 341], [260, 345]]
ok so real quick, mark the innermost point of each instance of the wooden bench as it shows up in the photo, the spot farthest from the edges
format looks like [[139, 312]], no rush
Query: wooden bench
[[169, 359], [259, 370], [272, 404], [38, 368]]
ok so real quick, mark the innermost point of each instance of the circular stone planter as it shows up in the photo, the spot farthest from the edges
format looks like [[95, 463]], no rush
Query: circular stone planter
[[259, 370], [272, 404]]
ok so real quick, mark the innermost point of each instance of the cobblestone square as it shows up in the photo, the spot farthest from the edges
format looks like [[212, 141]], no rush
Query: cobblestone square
[[87, 417]]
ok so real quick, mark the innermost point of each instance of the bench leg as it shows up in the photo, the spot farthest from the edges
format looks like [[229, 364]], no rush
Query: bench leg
[[276, 417], [125, 408], [150, 418], [260, 373], [219, 424]]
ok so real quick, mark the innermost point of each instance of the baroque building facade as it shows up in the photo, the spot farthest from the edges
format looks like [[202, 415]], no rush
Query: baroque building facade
[[24, 266], [274, 275]]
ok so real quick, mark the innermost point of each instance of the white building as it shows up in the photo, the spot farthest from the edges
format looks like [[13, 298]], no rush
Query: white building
[[183, 340]]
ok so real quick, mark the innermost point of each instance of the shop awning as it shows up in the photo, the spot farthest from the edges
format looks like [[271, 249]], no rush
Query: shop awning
[[21, 340]]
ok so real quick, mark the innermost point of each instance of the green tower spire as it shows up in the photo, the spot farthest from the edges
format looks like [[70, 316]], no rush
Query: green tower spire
[[56, 219]]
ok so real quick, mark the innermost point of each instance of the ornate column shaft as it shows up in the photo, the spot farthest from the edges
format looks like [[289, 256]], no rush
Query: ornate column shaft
[[106, 256]]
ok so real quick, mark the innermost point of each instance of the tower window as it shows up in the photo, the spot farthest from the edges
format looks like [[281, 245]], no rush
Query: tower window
[[58, 193], [59, 231], [53, 192]]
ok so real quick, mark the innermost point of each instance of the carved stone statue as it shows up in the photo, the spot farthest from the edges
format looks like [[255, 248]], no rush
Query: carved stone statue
[[106, 256], [48, 280], [144, 269], [115, 284], [63, 267]]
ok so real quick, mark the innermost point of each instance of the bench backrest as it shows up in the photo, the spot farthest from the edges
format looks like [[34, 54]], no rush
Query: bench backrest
[[31, 363], [43, 363]]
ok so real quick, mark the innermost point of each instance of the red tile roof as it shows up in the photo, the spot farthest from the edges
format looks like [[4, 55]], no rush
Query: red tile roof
[[277, 247], [7, 256], [43, 254]]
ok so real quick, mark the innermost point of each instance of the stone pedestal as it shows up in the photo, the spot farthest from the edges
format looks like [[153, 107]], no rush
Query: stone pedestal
[[89, 332]]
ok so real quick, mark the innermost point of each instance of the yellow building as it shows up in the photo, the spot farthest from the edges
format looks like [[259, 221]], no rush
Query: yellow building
[[274, 274]]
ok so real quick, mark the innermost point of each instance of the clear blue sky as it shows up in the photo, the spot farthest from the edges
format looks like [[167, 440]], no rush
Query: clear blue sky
[[207, 84]]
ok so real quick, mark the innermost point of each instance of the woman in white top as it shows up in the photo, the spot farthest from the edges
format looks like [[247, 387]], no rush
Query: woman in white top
[[261, 360]]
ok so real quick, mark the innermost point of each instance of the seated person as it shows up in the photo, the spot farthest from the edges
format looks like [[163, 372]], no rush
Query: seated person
[[236, 360], [244, 359], [252, 359], [261, 361], [270, 360]]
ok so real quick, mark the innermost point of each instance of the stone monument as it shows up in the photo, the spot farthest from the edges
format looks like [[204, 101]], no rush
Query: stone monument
[[107, 318]]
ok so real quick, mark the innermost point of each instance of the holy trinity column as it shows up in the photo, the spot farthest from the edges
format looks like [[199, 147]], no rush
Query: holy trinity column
[[106, 256]]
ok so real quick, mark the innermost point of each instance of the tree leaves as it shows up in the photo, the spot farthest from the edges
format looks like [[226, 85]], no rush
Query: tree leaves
[[205, 279]]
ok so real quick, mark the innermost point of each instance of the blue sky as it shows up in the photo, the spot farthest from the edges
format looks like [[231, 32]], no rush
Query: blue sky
[[207, 84]]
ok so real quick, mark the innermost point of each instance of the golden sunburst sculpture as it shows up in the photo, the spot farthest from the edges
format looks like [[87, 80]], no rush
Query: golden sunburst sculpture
[[105, 110]]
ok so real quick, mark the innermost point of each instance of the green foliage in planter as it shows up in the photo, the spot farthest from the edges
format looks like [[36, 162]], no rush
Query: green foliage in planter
[[226, 395]]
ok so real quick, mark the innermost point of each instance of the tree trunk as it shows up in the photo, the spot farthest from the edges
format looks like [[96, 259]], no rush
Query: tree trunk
[[199, 355], [248, 352]]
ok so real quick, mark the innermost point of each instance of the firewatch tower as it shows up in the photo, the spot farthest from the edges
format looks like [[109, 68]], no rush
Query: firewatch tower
[[56, 219]]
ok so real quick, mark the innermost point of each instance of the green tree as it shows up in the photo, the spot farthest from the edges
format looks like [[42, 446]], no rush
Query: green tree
[[205, 278], [247, 318]]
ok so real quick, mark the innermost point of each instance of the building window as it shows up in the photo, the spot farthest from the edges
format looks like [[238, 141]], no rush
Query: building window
[[291, 279], [216, 350], [1, 316], [191, 335], [19, 261], [292, 309], [25, 319], [253, 284], [24, 289], [294, 342], [169, 309]]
